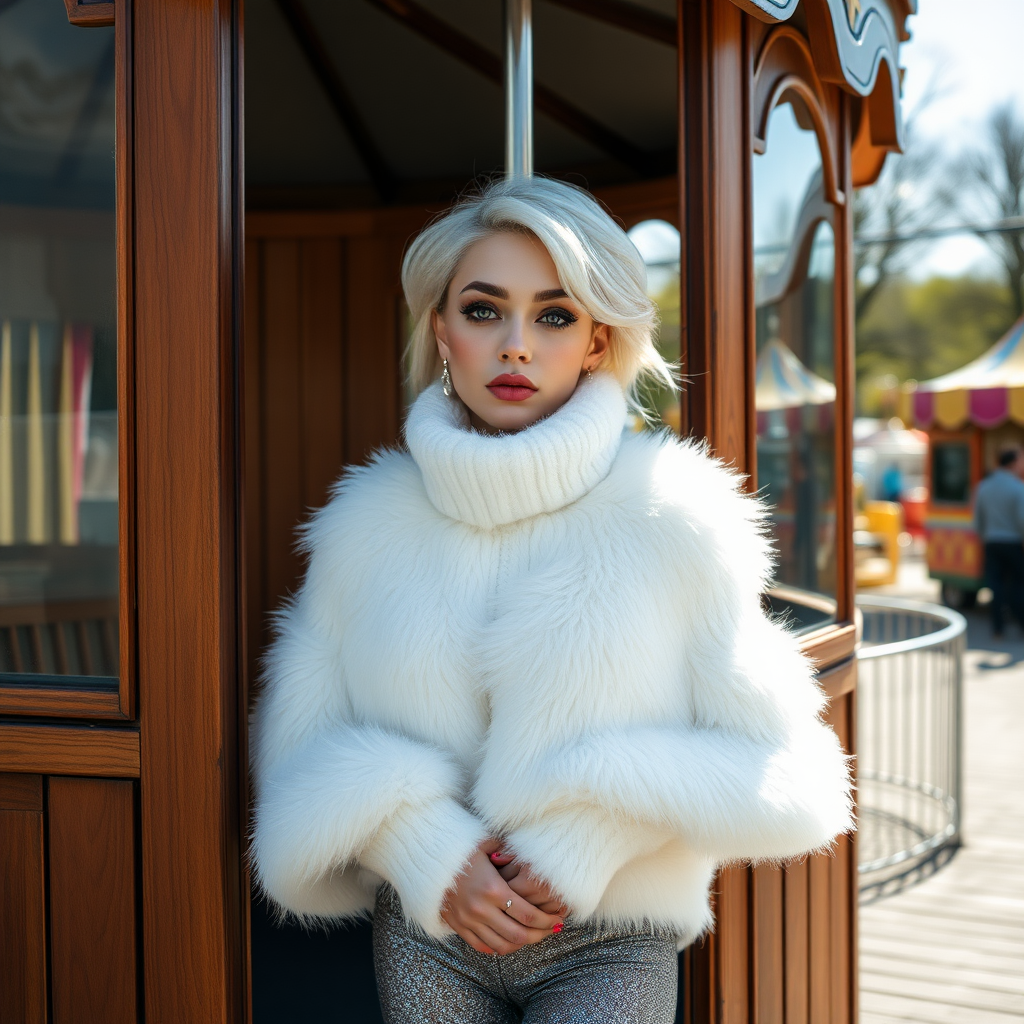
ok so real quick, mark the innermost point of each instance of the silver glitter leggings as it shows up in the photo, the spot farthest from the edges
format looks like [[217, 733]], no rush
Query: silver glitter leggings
[[583, 975]]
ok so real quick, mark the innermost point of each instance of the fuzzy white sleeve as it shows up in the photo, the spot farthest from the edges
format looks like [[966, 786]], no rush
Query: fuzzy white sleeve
[[755, 775], [333, 796]]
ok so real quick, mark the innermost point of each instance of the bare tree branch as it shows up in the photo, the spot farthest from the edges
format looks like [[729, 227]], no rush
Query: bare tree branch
[[989, 180]]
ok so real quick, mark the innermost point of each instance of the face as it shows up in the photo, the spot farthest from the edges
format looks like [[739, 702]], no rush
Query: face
[[516, 344]]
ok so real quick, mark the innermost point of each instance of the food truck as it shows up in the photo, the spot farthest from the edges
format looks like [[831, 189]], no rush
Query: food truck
[[203, 209], [969, 415]]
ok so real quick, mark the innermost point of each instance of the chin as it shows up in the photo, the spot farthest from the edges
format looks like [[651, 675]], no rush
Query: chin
[[511, 416]]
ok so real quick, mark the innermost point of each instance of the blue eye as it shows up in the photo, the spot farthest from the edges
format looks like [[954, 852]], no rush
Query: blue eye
[[480, 312], [557, 318]]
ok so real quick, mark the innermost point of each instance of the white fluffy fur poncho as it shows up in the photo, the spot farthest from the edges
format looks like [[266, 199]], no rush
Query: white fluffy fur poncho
[[555, 637]]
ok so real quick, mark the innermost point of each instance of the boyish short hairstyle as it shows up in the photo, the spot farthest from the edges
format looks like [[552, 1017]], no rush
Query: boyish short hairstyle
[[597, 265]]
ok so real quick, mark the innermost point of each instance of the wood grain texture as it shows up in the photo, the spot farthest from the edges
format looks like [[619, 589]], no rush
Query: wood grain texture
[[322, 320], [69, 750], [92, 901], [187, 227], [768, 946], [22, 917], [62, 701], [90, 15], [832, 644], [842, 882], [797, 942], [372, 345], [21, 792], [695, 312], [839, 680], [125, 255], [281, 403], [732, 348], [732, 946], [846, 377], [253, 565], [820, 940]]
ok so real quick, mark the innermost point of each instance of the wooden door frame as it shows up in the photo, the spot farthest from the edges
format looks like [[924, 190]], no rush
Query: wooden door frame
[[184, 204]]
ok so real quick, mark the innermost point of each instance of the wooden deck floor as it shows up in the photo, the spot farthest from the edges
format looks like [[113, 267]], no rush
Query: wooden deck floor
[[951, 949]]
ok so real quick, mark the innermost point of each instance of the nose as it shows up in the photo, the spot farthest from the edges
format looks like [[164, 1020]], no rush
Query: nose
[[514, 348]]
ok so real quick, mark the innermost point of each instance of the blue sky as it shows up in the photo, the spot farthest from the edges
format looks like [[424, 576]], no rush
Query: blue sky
[[974, 52]]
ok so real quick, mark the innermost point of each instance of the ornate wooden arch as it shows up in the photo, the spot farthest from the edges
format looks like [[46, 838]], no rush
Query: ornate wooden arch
[[785, 68]]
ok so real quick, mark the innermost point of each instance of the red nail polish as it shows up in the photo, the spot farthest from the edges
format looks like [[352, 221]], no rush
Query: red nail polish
[[557, 927], [496, 855]]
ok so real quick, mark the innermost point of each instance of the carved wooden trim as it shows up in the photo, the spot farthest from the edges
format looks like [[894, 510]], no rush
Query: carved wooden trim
[[89, 14], [771, 11], [785, 66]]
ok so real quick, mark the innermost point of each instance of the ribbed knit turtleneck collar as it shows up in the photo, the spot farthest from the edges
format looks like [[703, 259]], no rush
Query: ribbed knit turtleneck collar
[[490, 480]]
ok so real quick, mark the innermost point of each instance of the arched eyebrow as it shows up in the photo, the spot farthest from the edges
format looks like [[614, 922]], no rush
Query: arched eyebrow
[[488, 289], [502, 293]]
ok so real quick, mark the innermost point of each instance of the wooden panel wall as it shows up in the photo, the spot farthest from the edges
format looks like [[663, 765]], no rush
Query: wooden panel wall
[[322, 383], [67, 900], [22, 901]]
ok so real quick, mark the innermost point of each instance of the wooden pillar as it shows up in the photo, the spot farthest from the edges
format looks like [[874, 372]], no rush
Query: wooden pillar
[[715, 342], [784, 946], [186, 207]]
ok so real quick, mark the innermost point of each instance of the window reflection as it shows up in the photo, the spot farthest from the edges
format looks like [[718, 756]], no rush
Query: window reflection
[[658, 242], [794, 287], [58, 408]]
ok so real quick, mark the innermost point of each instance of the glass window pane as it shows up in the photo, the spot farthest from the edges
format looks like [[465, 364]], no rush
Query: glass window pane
[[58, 352], [658, 242], [951, 473], [794, 286]]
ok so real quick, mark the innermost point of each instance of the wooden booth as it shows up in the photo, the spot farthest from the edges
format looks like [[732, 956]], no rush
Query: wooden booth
[[970, 415], [203, 206]]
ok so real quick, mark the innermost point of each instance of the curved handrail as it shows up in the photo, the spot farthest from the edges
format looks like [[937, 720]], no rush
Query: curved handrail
[[910, 725], [955, 626]]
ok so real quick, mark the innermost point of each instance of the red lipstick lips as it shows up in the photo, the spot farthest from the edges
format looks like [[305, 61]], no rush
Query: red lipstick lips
[[511, 387]]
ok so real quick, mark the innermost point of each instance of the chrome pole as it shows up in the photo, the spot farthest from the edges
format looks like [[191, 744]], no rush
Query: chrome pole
[[518, 88]]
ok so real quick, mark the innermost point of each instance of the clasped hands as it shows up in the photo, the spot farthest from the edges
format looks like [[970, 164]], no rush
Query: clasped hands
[[476, 905]]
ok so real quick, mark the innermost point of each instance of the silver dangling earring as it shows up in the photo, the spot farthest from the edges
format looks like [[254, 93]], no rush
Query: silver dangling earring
[[446, 380], [590, 376]]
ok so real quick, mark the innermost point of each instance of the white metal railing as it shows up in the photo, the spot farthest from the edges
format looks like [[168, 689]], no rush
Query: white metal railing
[[909, 740]]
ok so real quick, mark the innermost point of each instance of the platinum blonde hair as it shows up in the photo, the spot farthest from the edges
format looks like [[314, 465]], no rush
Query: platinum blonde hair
[[597, 264]]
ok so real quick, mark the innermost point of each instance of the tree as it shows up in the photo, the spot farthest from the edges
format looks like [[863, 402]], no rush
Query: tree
[[988, 185], [922, 329], [909, 196]]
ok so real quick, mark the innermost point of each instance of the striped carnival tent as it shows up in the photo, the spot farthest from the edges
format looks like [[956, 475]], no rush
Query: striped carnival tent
[[986, 392], [785, 390]]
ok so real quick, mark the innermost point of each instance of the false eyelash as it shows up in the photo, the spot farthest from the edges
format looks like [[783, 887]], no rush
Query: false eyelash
[[471, 307], [568, 318]]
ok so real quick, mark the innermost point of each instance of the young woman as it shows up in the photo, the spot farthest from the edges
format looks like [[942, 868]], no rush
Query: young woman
[[527, 700]]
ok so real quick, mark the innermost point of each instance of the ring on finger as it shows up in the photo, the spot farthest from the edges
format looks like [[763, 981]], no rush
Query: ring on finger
[[508, 904]]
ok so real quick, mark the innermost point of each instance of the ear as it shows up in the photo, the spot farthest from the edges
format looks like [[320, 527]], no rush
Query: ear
[[440, 333], [598, 349]]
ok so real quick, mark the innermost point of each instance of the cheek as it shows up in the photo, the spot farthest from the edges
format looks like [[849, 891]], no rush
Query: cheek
[[466, 343]]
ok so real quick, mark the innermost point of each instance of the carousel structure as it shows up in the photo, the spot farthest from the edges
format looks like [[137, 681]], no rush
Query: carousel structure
[[203, 209]]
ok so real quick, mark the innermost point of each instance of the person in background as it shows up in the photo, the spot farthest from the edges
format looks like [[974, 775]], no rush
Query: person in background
[[999, 522], [892, 483]]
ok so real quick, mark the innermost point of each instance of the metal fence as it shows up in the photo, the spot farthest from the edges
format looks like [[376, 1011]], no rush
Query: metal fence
[[909, 740]]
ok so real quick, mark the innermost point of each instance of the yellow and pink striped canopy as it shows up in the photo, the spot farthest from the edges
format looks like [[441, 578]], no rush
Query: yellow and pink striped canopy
[[985, 392]]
